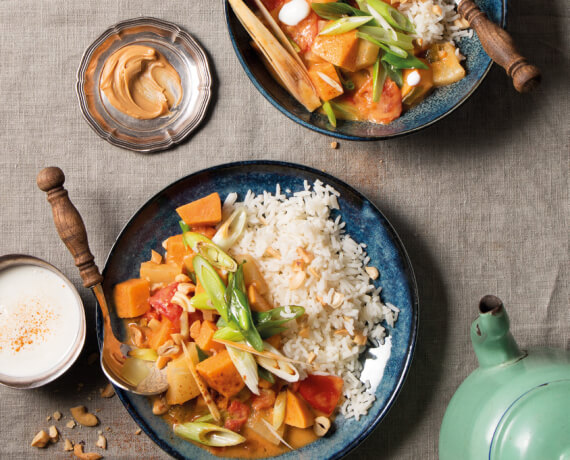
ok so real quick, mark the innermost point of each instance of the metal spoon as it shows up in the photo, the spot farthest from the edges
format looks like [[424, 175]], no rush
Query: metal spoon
[[72, 232], [500, 47]]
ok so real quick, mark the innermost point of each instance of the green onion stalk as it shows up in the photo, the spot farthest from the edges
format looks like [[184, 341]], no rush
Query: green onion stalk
[[208, 434]]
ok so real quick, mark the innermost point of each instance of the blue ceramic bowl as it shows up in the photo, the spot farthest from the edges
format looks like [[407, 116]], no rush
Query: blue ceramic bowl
[[157, 219], [438, 105]]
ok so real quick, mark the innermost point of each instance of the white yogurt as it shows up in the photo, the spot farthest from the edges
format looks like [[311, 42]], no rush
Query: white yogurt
[[293, 12], [39, 320], [413, 78]]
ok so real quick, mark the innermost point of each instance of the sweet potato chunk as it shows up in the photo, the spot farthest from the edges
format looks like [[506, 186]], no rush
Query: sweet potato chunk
[[297, 413], [206, 211], [131, 298], [220, 373], [162, 334], [181, 385], [204, 339], [175, 251], [159, 273], [324, 88], [340, 50]]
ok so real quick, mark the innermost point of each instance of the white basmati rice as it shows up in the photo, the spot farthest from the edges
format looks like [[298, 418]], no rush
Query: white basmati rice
[[434, 20], [336, 276]]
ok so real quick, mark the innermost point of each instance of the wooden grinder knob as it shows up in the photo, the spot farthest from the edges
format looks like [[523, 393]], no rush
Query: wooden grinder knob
[[501, 48], [69, 224]]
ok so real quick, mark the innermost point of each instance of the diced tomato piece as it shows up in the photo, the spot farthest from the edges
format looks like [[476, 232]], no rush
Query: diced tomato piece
[[387, 109], [239, 413], [322, 392], [304, 33], [264, 400], [161, 303]]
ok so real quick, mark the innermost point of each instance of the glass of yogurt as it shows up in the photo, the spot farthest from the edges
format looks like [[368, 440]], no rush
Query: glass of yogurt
[[42, 322]]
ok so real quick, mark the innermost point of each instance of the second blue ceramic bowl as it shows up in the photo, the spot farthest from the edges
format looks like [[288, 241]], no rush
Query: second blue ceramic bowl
[[438, 105]]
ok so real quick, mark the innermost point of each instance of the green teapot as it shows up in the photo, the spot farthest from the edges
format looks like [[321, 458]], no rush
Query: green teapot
[[516, 405]]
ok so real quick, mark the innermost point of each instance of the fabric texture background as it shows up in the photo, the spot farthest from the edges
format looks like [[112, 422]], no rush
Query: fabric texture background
[[480, 200]]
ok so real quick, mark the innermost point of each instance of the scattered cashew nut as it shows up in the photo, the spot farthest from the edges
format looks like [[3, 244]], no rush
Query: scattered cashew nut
[[373, 272], [321, 426], [168, 349], [40, 440], [83, 417], [108, 391], [53, 433], [297, 280], [159, 406], [101, 442], [78, 452], [68, 445]]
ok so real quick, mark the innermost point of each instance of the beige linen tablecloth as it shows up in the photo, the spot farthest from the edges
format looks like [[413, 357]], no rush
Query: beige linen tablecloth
[[480, 200]]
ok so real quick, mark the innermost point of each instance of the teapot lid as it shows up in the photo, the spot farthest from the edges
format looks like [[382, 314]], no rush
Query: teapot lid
[[535, 426]]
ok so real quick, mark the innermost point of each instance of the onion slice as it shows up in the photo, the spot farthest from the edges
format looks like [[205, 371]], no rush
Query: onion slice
[[231, 229], [279, 409]]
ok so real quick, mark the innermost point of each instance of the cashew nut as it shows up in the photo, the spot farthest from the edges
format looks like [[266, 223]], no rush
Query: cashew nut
[[162, 361], [186, 288], [53, 433], [137, 335], [297, 280], [159, 406], [83, 417], [181, 278], [108, 391], [57, 415], [298, 265], [101, 442], [68, 445], [321, 426], [360, 339], [168, 349], [305, 255], [40, 440], [373, 272], [78, 452]]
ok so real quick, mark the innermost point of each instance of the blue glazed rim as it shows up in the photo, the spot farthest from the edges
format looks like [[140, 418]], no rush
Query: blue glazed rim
[[487, 62], [299, 170]]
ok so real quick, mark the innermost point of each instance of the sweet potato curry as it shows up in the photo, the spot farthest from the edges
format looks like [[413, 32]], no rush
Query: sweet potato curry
[[357, 60], [204, 318]]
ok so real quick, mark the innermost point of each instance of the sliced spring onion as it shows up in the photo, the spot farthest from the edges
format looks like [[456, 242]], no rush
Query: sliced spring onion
[[281, 369], [346, 111], [394, 74], [278, 316], [409, 62], [185, 228], [382, 22], [246, 366], [213, 285], [191, 239], [402, 40], [391, 15], [202, 302], [229, 333], [378, 78], [329, 81], [208, 434], [240, 310], [204, 418], [146, 354], [343, 25], [334, 11], [231, 229], [279, 409], [265, 375], [253, 351], [216, 256], [391, 49], [330, 113]]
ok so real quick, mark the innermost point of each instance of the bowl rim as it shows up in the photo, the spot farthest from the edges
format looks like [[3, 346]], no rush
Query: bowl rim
[[414, 294], [338, 135], [34, 381]]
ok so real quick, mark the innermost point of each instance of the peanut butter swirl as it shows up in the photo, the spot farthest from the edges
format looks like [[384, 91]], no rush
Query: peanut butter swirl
[[140, 82]]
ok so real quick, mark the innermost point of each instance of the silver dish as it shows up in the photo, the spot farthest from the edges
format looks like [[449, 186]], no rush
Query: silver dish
[[72, 354], [181, 50]]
